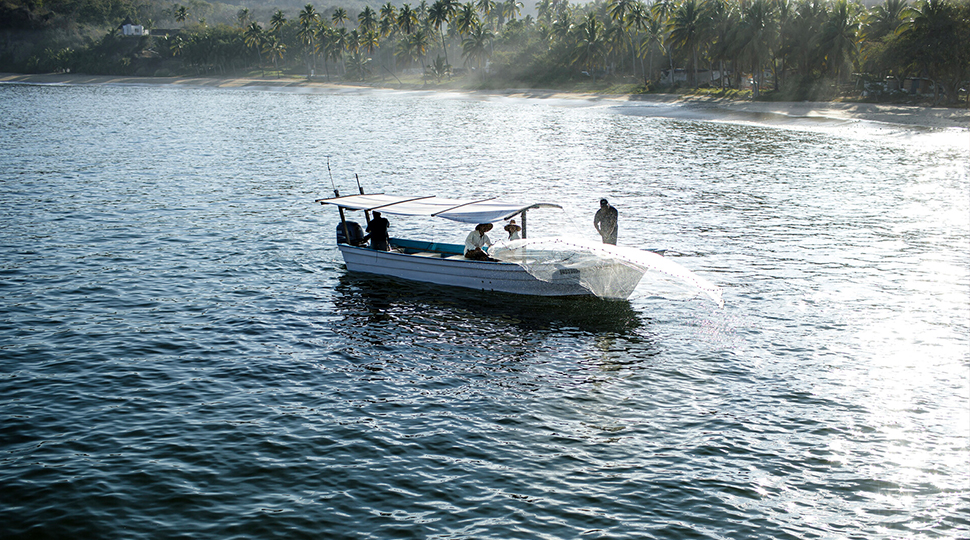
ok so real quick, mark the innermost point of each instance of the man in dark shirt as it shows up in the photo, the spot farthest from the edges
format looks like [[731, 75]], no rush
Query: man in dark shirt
[[605, 222], [377, 232]]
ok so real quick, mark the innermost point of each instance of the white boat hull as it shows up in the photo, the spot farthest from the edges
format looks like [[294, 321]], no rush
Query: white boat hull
[[460, 272]]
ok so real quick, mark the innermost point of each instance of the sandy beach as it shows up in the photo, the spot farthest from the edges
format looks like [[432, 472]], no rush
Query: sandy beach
[[930, 117]]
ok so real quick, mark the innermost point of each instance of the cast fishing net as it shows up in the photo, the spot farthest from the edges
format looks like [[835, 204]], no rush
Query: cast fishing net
[[607, 271]]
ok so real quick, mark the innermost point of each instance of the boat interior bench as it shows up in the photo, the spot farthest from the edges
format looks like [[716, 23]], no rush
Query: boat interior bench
[[428, 249]]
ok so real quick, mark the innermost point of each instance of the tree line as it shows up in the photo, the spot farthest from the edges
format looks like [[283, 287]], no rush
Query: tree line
[[800, 48]]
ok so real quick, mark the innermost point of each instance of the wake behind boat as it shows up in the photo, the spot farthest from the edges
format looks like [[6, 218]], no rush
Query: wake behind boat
[[550, 266]]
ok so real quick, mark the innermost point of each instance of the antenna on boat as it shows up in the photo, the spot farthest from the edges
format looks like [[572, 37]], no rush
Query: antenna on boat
[[361, 190], [343, 218], [334, 186]]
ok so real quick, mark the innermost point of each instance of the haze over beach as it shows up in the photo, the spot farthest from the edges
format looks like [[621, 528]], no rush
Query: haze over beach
[[908, 115]]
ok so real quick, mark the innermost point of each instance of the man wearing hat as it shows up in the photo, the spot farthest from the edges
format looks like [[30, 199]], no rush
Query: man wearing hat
[[476, 240], [605, 222]]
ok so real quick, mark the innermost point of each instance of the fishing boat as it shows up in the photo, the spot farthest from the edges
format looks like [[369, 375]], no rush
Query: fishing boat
[[550, 266]]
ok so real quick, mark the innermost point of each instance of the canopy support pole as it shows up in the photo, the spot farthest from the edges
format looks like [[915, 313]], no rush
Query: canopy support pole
[[343, 220]]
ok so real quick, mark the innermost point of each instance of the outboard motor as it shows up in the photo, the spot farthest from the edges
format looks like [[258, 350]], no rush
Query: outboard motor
[[356, 233]]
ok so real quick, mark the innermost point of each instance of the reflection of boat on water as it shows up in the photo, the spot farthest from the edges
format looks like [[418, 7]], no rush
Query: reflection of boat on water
[[548, 267], [373, 299]]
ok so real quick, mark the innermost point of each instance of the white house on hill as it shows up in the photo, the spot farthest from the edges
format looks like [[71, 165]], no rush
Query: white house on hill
[[133, 30]]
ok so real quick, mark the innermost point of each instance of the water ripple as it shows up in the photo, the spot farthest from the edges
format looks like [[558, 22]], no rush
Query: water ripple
[[182, 353]]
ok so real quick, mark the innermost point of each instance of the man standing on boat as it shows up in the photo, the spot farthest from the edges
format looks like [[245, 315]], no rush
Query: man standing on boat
[[475, 240], [605, 222], [513, 230], [377, 232]]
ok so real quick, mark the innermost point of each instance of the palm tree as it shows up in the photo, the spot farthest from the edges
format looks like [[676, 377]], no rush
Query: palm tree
[[339, 16], [370, 41], [618, 10], [662, 10], [757, 25], [389, 13], [413, 47], [686, 26], [451, 8], [655, 40], [337, 39], [352, 43], [439, 68], [562, 26], [466, 19], [178, 46], [243, 17], [407, 19], [935, 41], [724, 24], [181, 13], [590, 44], [308, 21], [254, 39], [308, 16], [357, 64], [488, 9], [323, 36], [386, 27], [784, 17], [475, 47], [276, 50], [405, 50], [839, 39], [637, 18], [438, 16], [796, 40], [544, 11], [367, 20], [510, 10], [614, 39], [276, 23], [885, 19]]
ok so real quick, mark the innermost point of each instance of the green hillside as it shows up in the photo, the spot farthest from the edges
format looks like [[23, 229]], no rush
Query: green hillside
[[770, 49]]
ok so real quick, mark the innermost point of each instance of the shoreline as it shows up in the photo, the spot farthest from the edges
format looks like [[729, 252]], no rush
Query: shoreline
[[908, 115]]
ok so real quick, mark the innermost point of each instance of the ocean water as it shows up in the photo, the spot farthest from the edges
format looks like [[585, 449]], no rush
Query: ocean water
[[184, 355]]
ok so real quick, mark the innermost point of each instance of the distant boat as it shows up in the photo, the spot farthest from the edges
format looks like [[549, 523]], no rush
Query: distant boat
[[551, 266]]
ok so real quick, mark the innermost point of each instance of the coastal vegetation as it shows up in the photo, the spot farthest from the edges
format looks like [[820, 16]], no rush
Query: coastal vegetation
[[768, 49]]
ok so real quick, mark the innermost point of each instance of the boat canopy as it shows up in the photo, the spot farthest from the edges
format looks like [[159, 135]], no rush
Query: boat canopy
[[462, 210]]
